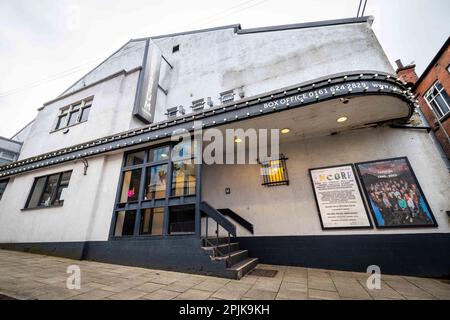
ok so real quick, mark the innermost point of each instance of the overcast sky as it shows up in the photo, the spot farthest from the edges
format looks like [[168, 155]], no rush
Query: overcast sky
[[46, 45]]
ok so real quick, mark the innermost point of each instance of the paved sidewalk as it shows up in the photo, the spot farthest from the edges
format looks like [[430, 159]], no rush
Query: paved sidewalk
[[31, 276]]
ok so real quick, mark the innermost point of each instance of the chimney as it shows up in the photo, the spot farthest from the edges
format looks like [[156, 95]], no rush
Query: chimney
[[406, 73]]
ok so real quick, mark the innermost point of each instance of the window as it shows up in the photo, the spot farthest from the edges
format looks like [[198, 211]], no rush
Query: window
[[155, 185], [274, 172], [155, 180], [182, 219], [125, 221], [176, 48], [74, 114], [85, 111], [131, 186], [49, 190], [7, 156], [183, 169], [183, 178], [438, 99], [135, 158], [152, 221], [3, 184], [62, 119], [158, 154]]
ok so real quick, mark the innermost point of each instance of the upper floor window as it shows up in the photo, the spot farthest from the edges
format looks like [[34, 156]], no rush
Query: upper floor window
[[7, 156], [74, 114], [48, 191], [3, 184], [438, 99]]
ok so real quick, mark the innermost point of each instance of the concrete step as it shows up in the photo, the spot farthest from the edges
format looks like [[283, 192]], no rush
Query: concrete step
[[243, 267]]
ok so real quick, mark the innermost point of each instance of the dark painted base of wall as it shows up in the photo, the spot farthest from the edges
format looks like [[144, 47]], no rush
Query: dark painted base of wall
[[425, 255]]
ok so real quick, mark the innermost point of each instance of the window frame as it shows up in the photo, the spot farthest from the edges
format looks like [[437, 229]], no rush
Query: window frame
[[53, 194], [76, 107], [142, 204], [266, 164], [429, 99], [6, 181]]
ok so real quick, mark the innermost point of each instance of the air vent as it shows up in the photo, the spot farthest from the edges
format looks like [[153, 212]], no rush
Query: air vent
[[172, 112], [198, 105], [227, 96], [175, 111]]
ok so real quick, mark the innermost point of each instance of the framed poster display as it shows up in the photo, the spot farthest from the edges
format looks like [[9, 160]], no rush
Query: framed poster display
[[338, 198], [394, 195]]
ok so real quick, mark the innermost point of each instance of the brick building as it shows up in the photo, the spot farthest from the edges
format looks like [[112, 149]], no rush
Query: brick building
[[432, 90]]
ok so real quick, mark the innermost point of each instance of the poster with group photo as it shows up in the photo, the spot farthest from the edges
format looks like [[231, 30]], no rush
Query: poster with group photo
[[394, 194], [339, 198]]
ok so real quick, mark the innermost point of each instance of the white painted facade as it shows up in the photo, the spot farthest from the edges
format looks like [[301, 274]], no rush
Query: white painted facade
[[85, 215], [291, 210], [209, 63]]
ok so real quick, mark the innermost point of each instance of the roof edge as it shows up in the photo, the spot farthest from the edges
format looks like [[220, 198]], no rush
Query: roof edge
[[304, 25], [432, 63], [238, 28]]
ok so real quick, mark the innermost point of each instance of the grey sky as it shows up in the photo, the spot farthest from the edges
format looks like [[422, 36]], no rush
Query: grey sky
[[43, 48]]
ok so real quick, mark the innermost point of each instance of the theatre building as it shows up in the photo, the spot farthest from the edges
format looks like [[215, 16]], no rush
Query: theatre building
[[352, 183]]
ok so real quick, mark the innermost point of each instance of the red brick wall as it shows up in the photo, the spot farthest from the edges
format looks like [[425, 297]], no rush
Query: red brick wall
[[408, 74], [438, 72]]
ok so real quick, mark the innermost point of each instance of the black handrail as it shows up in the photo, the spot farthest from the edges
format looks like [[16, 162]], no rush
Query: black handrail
[[220, 219], [213, 213], [233, 215]]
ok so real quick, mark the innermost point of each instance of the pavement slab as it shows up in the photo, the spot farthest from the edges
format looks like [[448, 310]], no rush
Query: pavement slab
[[34, 276]]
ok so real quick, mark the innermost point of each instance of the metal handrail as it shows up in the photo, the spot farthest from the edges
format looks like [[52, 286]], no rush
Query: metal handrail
[[220, 219]]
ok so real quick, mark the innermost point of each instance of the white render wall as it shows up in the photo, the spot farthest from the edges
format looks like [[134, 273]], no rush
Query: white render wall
[[209, 63], [85, 215], [274, 211], [212, 62], [111, 112], [291, 210]]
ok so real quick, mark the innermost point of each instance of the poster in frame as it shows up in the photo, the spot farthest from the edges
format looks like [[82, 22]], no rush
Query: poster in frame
[[394, 195], [339, 199]]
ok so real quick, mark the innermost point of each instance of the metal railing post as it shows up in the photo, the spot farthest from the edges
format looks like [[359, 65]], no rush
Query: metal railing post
[[229, 246], [206, 235], [217, 234]]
